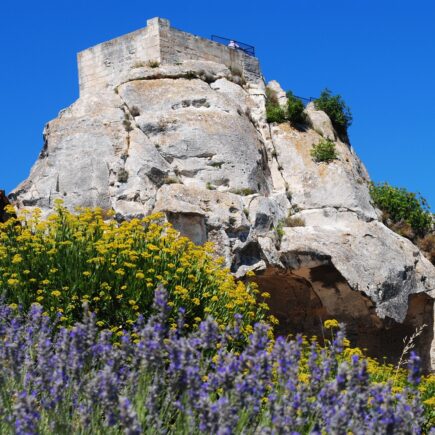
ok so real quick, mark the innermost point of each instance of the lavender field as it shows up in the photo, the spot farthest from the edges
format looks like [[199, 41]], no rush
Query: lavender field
[[161, 380]]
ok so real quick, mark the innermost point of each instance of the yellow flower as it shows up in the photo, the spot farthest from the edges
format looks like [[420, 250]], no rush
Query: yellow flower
[[330, 323], [140, 275], [40, 298], [351, 351], [396, 390], [273, 320], [55, 293], [303, 377], [17, 259], [13, 306], [86, 273], [100, 323], [430, 402]]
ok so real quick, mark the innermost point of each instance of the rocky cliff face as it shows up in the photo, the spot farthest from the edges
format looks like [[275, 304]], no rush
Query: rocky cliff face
[[191, 140]]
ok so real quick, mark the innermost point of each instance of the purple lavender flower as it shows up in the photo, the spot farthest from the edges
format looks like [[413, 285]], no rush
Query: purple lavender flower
[[414, 370], [25, 416], [128, 417]]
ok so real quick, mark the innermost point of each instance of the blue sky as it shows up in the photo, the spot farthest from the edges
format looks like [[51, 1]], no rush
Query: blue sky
[[378, 54]]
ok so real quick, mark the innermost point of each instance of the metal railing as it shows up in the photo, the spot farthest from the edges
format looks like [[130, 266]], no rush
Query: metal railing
[[237, 45], [304, 100]]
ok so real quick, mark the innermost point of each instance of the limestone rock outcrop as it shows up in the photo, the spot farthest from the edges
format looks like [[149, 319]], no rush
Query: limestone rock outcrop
[[186, 134]]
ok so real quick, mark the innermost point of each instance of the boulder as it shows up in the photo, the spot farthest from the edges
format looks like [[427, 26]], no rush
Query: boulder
[[281, 96]]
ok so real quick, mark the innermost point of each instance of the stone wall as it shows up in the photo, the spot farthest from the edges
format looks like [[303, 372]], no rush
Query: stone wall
[[102, 65], [176, 46], [105, 65]]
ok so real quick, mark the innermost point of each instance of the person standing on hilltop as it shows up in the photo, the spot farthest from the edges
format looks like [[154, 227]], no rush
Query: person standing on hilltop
[[233, 44]]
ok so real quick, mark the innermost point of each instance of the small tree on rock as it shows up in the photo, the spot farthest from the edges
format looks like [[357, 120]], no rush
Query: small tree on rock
[[337, 110]]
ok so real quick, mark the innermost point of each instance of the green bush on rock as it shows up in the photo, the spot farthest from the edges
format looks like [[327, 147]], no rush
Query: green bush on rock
[[294, 112], [324, 151], [402, 208], [275, 113], [337, 110], [295, 109]]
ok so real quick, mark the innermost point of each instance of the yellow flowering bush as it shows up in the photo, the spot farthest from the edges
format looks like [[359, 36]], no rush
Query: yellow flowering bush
[[71, 259]]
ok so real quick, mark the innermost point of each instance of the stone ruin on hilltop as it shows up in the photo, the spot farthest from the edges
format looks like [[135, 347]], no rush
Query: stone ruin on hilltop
[[171, 122]]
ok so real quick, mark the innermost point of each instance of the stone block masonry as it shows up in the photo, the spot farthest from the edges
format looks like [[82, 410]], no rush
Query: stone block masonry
[[103, 65]]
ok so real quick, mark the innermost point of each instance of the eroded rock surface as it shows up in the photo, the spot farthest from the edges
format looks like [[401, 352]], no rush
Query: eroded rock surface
[[191, 139]]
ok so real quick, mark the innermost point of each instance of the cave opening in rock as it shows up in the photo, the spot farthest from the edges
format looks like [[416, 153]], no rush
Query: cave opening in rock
[[303, 299]]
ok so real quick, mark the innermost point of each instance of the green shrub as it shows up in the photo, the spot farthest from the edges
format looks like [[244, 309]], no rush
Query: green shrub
[[336, 109], [401, 207], [275, 113], [279, 232], [295, 109], [324, 151], [294, 112], [71, 259]]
